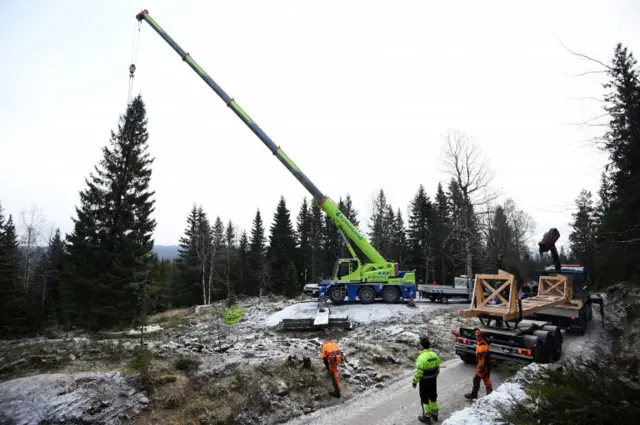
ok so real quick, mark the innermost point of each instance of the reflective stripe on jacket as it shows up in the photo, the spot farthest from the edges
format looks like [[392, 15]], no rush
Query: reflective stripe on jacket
[[427, 366]]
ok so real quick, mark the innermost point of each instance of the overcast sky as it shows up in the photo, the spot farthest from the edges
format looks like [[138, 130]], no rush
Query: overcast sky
[[358, 93]]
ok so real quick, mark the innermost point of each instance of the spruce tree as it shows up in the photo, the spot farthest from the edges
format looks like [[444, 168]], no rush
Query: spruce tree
[[331, 245], [242, 267], [187, 289], [282, 246], [500, 242], [349, 211], [230, 254], [257, 257], [378, 222], [12, 295], [303, 233], [455, 242], [419, 234], [442, 231], [290, 285], [583, 236], [218, 258], [317, 241], [110, 248], [620, 243], [46, 283], [398, 239]]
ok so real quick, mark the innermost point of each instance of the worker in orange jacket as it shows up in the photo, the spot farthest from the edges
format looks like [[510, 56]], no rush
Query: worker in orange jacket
[[332, 356], [483, 366]]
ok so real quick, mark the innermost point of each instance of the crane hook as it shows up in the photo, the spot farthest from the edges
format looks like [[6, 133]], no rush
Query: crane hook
[[132, 69]]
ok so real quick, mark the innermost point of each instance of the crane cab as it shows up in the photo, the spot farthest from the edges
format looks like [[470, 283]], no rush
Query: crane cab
[[347, 270]]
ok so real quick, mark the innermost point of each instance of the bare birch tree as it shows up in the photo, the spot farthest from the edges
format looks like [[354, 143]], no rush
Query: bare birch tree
[[522, 223], [32, 223], [465, 164]]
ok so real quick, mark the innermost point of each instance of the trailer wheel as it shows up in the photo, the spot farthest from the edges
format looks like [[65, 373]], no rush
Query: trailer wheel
[[367, 295], [390, 294], [557, 341], [544, 349], [337, 294], [468, 358]]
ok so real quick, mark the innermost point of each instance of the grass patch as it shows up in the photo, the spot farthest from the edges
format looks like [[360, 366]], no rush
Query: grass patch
[[233, 315], [170, 318], [186, 364], [579, 392], [141, 363]]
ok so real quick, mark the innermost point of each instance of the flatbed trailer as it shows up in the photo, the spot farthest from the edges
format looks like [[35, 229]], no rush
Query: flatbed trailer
[[462, 288], [526, 330]]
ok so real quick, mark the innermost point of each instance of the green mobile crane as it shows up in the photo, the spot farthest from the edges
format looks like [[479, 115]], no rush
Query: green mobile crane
[[352, 278]]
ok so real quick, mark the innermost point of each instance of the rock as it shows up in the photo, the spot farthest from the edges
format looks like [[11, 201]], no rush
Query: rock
[[306, 362], [86, 397], [346, 374], [379, 385], [409, 338], [72, 357]]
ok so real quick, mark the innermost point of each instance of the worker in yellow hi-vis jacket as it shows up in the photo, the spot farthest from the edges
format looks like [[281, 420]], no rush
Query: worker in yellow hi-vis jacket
[[427, 370]]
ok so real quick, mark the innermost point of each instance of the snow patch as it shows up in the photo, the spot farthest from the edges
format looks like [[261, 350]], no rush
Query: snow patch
[[485, 410], [362, 313]]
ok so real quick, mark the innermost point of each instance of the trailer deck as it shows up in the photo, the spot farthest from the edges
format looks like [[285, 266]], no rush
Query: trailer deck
[[488, 299]]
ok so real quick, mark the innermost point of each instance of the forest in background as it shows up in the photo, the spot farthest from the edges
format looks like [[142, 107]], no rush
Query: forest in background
[[104, 273]]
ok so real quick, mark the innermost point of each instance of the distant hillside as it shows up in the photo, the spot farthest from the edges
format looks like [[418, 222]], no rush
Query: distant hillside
[[168, 252]]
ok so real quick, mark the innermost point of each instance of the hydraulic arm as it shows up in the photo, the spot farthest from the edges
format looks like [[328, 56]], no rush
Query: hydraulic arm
[[383, 269], [548, 243]]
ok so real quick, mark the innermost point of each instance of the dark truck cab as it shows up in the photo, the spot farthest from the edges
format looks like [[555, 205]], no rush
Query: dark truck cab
[[536, 337]]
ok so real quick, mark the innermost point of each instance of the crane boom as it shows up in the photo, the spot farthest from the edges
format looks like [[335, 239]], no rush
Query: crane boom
[[326, 203]]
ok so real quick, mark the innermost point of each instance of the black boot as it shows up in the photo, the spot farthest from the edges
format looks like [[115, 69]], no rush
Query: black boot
[[335, 394], [424, 419], [474, 391]]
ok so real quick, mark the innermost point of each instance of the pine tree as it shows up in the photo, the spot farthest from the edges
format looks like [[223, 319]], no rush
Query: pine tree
[[282, 246], [303, 233], [187, 285], [110, 248], [257, 259], [12, 295]]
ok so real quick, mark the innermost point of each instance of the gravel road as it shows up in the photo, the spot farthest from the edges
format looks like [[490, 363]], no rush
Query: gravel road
[[398, 403]]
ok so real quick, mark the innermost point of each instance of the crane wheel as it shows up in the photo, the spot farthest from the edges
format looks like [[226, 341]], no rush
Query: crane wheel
[[391, 295], [367, 295], [337, 294]]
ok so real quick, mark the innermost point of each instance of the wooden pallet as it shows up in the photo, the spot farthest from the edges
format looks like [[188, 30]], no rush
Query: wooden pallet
[[553, 291]]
